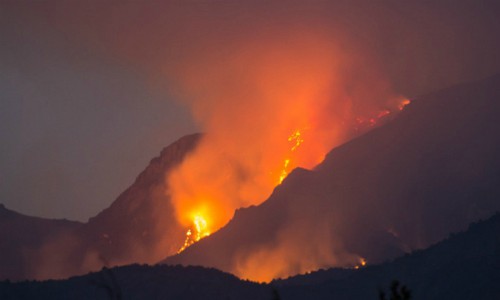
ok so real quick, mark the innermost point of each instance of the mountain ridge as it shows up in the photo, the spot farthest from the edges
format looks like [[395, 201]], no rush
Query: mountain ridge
[[470, 272], [139, 226], [400, 187]]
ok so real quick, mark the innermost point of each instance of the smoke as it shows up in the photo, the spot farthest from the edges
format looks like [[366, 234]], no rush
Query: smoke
[[250, 100], [299, 248], [254, 73]]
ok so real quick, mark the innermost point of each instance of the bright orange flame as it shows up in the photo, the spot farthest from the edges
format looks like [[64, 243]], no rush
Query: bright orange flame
[[296, 137], [362, 263], [284, 172], [200, 228], [373, 120], [255, 100]]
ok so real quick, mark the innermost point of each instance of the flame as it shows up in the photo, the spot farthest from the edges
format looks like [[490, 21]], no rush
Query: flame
[[284, 171], [362, 263], [199, 227], [295, 137], [255, 100], [373, 120], [198, 230]]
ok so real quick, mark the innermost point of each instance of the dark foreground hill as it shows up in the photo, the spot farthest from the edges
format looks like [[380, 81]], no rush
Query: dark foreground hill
[[432, 170], [464, 266], [21, 236], [140, 282]]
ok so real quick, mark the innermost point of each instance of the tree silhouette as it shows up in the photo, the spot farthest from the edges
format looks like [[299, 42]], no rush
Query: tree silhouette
[[112, 288], [397, 292], [276, 294]]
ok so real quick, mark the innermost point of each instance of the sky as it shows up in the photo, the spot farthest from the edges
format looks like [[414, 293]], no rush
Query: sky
[[90, 91], [76, 128]]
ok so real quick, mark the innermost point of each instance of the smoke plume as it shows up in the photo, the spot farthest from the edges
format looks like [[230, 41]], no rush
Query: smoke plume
[[251, 101]]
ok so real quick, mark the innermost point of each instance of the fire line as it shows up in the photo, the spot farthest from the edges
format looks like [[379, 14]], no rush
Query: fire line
[[198, 231], [295, 137]]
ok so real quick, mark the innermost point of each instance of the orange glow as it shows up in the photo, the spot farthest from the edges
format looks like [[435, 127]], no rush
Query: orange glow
[[284, 172], [269, 106], [362, 123], [252, 123], [403, 103], [383, 113], [198, 231], [362, 263], [296, 137]]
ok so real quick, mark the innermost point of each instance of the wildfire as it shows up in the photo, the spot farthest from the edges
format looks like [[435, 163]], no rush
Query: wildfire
[[199, 227], [363, 122], [283, 88], [403, 103], [198, 231], [296, 138], [362, 263]]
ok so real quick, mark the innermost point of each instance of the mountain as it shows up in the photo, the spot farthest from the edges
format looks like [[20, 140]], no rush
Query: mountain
[[21, 236], [463, 266], [139, 227], [432, 170]]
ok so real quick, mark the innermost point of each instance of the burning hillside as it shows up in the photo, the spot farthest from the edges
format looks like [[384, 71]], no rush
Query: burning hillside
[[267, 108], [404, 186], [199, 226], [275, 88]]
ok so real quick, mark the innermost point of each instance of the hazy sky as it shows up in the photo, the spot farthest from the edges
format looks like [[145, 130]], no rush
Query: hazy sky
[[85, 93], [75, 128]]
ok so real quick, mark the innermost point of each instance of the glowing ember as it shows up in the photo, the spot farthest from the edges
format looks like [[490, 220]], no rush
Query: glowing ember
[[383, 113], [284, 172], [295, 137], [403, 103], [198, 231], [362, 263], [255, 108], [372, 121]]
